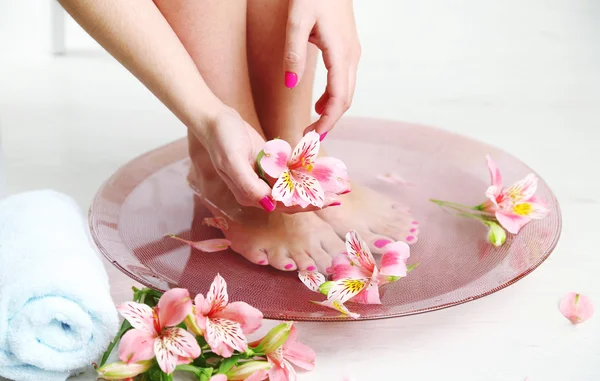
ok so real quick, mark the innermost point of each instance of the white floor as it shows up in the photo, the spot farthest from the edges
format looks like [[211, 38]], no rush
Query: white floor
[[521, 74]]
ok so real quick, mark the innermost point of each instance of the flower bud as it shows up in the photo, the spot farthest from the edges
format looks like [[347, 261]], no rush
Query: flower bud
[[325, 287], [120, 370], [247, 369], [190, 322], [496, 235], [275, 338]]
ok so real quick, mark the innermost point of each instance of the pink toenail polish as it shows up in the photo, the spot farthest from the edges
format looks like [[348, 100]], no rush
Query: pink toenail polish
[[410, 238], [381, 243], [415, 222], [323, 136], [337, 203], [328, 270], [346, 191], [311, 268], [267, 204], [291, 79], [413, 230], [264, 261], [288, 266]]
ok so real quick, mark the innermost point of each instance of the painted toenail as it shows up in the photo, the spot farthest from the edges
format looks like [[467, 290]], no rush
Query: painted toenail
[[381, 243], [337, 203], [311, 268], [410, 238], [328, 270], [415, 222], [413, 230], [346, 191], [288, 266], [267, 204], [262, 262]]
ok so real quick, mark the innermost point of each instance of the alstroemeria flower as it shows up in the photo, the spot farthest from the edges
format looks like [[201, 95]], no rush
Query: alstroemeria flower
[[223, 324], [302, 178], [207, 246], [576, 307], [155, 332], [291, 352], [516, 206]]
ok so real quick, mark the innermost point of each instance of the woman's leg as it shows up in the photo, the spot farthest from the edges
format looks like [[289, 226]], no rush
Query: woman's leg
[[286, 113], [214, 34]]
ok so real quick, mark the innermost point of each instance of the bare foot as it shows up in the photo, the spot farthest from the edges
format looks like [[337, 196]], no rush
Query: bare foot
[[377, 219], [287, 242]]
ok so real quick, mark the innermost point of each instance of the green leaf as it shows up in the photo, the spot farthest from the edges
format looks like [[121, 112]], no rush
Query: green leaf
[[124, 328], [410, 268], [227, 364]]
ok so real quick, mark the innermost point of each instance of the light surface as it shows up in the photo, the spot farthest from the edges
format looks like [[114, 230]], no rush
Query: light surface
[[522, 75]]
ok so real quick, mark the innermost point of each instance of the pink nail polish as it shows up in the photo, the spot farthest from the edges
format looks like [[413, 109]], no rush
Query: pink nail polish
[[323, 136], [291, 79], [381, 243], [415, 222], [267, 204], [410, 238], [413, 230], [262, 262], [346, 191], [288, 266], [328, 270], [311, 268], [337, 203]]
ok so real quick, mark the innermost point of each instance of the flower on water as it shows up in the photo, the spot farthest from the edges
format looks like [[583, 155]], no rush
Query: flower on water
[[302, 178], [496, 235], [120, 370], [216, 222], [223, 324], [156, 334], [290, 352], [576, 307], [207, 246], [516, 206], [249, 371]]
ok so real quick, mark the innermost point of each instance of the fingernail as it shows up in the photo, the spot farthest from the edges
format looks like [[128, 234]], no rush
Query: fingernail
[[288, 266], [291, 79], [346, 191], [323, 136], [410, 238], [311, 268], [381, 243], [267, 204], [337, 203]]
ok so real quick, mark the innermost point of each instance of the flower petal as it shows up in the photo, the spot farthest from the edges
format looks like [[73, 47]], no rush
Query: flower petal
[[511, 221], [281, 373], [576, 307], [369, 295], [180, 342], [493, 193], [343, 268], [136, 345], [297, 353], [332, 174], [338, 306], [275, 159], [525, 189], [218, 377], [223, 331], [250, 318], [140, 316], [393, 261], [208, 246], [358, 251], [216, 222], [284, 189], [344, 289], [258, 375], [167, 360], [495, 175], [311, 279], [308, 188], [173, 307], [217, 296], [539, 208], [306, 151]]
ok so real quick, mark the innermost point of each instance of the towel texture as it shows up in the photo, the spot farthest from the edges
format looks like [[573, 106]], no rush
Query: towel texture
[[56, 313]]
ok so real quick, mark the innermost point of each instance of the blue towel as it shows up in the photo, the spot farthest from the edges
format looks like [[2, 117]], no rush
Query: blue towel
[[56, 313]]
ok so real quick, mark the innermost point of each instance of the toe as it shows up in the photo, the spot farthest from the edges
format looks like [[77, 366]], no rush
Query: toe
[[303, 261], [376, 241], [321, 258], [281, 260], [257, 256], [333, 245]]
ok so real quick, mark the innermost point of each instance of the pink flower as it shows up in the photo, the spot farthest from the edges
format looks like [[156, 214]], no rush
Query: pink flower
[[292, 352], [223, 324], [155, 333], [355, 273], [207, 246], [516, 206], [576, 307], [302, 178]]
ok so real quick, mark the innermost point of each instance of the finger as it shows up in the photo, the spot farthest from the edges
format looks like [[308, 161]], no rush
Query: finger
[[330, 201], [351, 84], [247, 187], [320, 105], [337, 90], [296, 45]]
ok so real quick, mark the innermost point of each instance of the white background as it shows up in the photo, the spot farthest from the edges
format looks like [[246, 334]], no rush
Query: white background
[[521, 74]]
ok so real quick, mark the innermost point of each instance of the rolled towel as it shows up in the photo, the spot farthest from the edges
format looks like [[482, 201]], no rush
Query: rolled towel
[[56, 313]]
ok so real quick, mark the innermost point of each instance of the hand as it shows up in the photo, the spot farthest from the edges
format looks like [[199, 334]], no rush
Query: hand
[[233, 146], [331, 27]]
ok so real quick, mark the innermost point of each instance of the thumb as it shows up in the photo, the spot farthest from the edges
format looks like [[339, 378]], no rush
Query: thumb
[[296, 46]]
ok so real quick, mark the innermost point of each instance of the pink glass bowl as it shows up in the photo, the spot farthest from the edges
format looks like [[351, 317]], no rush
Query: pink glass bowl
[[149, 198]]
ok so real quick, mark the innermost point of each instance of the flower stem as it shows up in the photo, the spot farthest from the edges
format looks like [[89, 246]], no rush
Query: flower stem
[[449, 203]]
